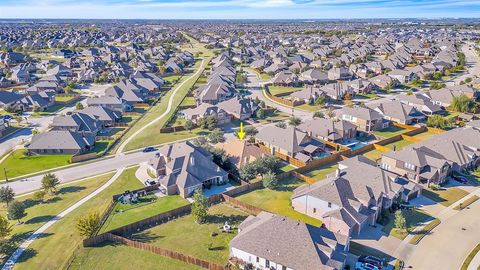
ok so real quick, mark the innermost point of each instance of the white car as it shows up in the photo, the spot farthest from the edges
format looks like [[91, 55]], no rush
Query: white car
[[150, 182]]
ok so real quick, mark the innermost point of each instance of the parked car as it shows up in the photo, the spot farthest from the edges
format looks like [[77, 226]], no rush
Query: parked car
[[371, 259], [365, 266], [460, 178], [150, 182], [148, 149]]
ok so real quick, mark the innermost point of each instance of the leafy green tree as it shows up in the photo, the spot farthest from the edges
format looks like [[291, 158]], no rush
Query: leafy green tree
[[6, 194], [320, 101], [39, 195], [216, 136], [189, 125], [248, 171], [294, 121], [268, 164], [270, 180], [260, 113], [438, 121], [400, 222], [199, 207], [16, 211], [318, 114], [87, 225], [50, 183], [281, 125], [79, 106], [5, 227], [463, 104]]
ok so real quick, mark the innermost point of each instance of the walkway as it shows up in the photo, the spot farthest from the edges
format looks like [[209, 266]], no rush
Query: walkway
[[18, 253], [167, 111]]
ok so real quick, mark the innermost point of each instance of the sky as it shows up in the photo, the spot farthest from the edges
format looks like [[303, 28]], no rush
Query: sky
[[238, 9]]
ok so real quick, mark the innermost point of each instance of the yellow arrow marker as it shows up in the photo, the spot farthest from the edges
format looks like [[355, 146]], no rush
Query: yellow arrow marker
[[241, 133]]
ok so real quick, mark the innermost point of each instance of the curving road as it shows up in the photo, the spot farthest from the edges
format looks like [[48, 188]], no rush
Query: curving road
[[167, 111]]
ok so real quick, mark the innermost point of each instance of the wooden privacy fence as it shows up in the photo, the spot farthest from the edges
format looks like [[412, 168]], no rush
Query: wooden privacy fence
[[242, 205], [278, 99], [79, 158]]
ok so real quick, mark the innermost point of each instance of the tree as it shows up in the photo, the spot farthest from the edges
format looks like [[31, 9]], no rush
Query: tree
[[5, 227], [330, 113], [318, 114], [320, 101], [248, 171], [39, 195], [438, 121], [79, 106], [281, 125], [270, 180], [260, 113], [16, 211], [216, 136], [6, 194], [189, 125], [294, 121], [87, 225], [199, 207], [50, 183], [250, 130], [400, 222], [267, 164], [208, 122], [463, 104]]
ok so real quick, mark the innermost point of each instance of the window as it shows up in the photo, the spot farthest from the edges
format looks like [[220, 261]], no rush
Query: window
[[258, 259], [409, 166], [267, 263], [284, 268], [314, 210], [385, 166], [329, 205]]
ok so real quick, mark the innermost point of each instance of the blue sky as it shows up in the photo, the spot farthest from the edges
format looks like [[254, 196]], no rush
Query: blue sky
[[238, 9]]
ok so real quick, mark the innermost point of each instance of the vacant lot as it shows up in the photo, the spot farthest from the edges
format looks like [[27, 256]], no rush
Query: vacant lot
[[278, 201], [186, 236]]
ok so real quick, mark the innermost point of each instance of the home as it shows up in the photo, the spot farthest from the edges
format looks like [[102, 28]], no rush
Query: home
[[40, 101], [269, 241], [399, 112], [403, 76], [308, 95], [110, 102], [444, 96], [338, 90], [365, 119], [239, 108], [353, 197], [78, 122], [205, 109], [420, 102], [9, 98], [240, 152], [339, 73], [106, 116], [329, 130], [213, 93], [183, 168], [313, 75], [384, 81], [60, 142], [285, 78]]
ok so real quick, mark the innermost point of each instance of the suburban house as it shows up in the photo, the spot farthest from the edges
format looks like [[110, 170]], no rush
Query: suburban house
[[213, 93], [60, 142], [106, 116], [353, 197], [269, 241], [433, 160], [240, 152], [8, 98], [239, 108], [308, 95], [403, 76], [329, 130], [289, 141], [365, 119], [40, 101], [420, 102], [109, 102], [444, 96], [182, 168], [205, 109], [339, 73], [398, 112], [77, 122]]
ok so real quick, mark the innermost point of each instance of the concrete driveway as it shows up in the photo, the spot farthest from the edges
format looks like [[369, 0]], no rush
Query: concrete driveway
[[449, 243]]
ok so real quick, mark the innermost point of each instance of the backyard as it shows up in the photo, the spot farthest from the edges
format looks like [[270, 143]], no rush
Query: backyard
[[321, 172], [389, 132], [63, 238], [278, 200], [146, 207], [186, 236], [18, 163]]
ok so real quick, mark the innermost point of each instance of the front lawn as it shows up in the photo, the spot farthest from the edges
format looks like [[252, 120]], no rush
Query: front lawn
[[185, 235], [120, 257], [445, 197], [322, 172], [282, 90], [39, 213], [389, 131], [18, 163], [54, 249], [413, 218], [147, 207], [278, 201], [309, 108]]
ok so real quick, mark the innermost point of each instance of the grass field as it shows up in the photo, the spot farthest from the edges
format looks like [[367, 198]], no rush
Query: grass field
[[424, 136], [322, 172], [189, 101], [389, 132], [373, 155], [114, 256], [309, 108], [56, 246], [149, 206], [39, 213], [282, 90], [186, 236], [445, 197], [278, 201], [18, 164], [399, 145], [413, 218]]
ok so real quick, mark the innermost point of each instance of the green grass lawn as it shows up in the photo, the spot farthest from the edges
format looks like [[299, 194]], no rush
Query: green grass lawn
[[424, 136], [145, 138], [39, 213], [274, 116], [287, 168], [278, 201], [413, 218], [172, 78], [309, 108], [282, 90], [114, 256], [64, 99], [389, 132], [56, 246], [373, 155], [445, 197], [18, 164], [322, 172], [149, 206], [398, 144], [101, 146], [189, 101], [186, 236]]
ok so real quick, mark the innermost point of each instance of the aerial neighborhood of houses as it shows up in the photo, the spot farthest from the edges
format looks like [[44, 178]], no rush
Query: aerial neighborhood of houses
[[226, 145]]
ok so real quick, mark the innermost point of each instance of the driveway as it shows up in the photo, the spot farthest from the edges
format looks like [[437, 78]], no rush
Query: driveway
[[449, 243]]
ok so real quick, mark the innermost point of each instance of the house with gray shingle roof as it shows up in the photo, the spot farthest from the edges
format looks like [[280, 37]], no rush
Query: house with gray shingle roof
[[269, 241], [60, 142]]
